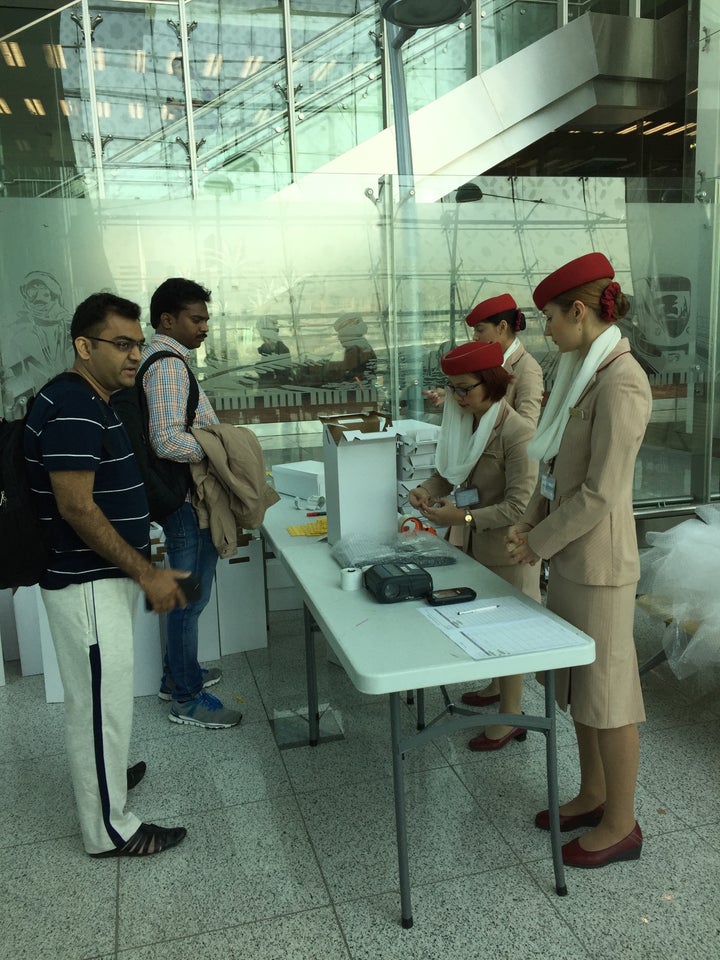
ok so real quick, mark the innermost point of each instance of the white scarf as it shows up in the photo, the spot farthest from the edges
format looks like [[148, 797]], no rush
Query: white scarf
[[572, 378], [459, 449], [510, 350]]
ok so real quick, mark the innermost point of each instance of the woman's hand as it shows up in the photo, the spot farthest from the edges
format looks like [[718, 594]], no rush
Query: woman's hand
[[419, 498], [517, 545], [443, 513]]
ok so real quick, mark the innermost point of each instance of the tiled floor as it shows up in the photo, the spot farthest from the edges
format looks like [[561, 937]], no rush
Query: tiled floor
[[290, 853]]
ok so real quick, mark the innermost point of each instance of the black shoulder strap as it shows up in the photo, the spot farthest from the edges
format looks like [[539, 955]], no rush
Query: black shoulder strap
[[193, 393]]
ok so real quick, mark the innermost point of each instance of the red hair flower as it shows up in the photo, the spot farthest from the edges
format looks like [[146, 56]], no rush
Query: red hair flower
[[607, 301]]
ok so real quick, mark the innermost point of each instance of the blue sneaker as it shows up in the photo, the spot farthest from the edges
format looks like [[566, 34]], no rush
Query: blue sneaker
[[204, 710], [210, 677]]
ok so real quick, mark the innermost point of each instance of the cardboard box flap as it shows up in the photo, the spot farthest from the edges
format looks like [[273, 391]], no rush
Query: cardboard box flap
[[354, 426]]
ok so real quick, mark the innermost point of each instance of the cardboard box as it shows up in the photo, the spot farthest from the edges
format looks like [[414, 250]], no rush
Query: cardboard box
[[360, 476], [303, 479]]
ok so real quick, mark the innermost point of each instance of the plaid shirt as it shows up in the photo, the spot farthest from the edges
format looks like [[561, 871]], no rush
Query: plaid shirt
[[166, 387]]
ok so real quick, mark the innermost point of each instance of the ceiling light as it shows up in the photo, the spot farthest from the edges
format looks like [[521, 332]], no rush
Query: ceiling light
[[12, 54], [54, 56], [4, 108], [35, 106], [658, 128], [99, 58], [685, 127], [251, 66], [424, 13], [212, 65], [65, 108], [140, 61]]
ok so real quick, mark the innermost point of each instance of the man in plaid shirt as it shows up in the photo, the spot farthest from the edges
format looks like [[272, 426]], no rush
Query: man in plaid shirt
[[179, 316]]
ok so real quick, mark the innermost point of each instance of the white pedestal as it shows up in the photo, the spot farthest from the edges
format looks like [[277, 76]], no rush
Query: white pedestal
[[27, 604], [240, 584]]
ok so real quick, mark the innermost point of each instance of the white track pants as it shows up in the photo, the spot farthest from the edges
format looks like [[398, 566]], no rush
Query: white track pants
[[92, 629]]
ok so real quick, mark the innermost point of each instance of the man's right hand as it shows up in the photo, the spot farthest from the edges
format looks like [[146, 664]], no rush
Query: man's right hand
[[161, 588]]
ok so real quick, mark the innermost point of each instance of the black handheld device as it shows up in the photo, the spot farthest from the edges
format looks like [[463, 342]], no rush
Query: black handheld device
[[438, 598], [190, 586]]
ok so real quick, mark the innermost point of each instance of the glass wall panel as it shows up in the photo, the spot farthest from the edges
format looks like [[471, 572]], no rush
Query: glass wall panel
[[44, 109], [238, 83], [338, 83], [508, 26], [297, 285], [437, 61]]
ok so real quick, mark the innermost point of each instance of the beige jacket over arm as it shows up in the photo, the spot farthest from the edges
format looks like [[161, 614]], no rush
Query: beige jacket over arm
[[504, 478], [231, 492], [589, 529]]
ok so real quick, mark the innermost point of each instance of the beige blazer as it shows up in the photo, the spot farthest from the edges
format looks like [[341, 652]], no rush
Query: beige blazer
[[589, 529], [505, 479], [231, 492], [525, 393]]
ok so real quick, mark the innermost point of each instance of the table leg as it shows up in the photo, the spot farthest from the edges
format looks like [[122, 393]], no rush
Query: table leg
[[400, 819], [421, 709], [553, 800], [311, 674]]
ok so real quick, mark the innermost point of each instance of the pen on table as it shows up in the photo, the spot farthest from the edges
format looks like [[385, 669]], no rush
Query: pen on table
[[317, 513], [493, 606]]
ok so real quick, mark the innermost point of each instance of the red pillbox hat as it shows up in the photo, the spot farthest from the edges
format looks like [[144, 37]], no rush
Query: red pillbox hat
[[488, 308], [471, 358], [593, 266]]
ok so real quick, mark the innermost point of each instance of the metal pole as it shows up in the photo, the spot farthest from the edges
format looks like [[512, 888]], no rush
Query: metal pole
[[92, 94], [189, 118], [413, 337], [289, 80]]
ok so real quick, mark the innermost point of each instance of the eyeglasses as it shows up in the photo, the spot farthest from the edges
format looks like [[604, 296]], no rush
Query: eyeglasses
[[462, 392], [123, 344]]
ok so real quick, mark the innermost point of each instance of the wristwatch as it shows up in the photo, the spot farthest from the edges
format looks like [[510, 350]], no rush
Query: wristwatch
[[469, 519]]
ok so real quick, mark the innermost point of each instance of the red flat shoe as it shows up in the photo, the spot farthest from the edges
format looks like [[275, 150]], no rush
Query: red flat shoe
[[485, 743], [475, 698], [571, 821], [628, 848]]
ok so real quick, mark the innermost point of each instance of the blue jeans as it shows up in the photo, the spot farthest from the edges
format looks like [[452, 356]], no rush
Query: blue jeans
[[188, 548]]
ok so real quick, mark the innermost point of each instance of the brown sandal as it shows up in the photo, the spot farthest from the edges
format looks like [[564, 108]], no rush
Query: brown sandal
[[147, 839]]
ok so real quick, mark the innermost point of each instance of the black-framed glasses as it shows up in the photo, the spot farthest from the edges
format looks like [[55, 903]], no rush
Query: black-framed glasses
[[123, 344], [462, 392]]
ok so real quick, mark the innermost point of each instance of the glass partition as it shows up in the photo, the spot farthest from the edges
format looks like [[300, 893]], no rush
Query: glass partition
[[325, 307]]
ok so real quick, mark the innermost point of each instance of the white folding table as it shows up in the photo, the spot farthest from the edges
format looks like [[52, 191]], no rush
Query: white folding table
[[393, 648]]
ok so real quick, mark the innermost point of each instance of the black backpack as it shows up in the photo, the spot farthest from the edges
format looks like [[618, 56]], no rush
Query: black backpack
[[25, 539], [166, 481]]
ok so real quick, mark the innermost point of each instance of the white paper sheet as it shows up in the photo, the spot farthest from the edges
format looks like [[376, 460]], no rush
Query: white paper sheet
[[499, 627]]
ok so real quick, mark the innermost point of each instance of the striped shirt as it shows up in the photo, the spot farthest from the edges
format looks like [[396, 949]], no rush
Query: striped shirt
[[166, 386], [71, 428]]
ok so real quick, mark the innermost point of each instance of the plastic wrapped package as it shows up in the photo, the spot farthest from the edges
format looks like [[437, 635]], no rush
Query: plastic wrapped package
[[679, 575], [424, 549]]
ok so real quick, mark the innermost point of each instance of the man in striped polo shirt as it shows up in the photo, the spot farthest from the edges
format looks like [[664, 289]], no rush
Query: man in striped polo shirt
[[88, 489]]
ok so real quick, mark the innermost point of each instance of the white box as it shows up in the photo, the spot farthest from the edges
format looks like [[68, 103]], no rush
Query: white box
[[240, 583], [360, 476], [304, 479]]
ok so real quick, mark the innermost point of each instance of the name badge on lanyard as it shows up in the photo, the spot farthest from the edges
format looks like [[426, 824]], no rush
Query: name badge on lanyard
[[547, 486]]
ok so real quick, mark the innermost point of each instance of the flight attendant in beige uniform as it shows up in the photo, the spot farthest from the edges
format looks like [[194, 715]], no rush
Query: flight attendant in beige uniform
[[581, 519], [497, 320], [483, 448]]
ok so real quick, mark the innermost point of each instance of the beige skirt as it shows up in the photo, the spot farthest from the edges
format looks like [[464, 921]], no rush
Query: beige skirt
[[606, 693]]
